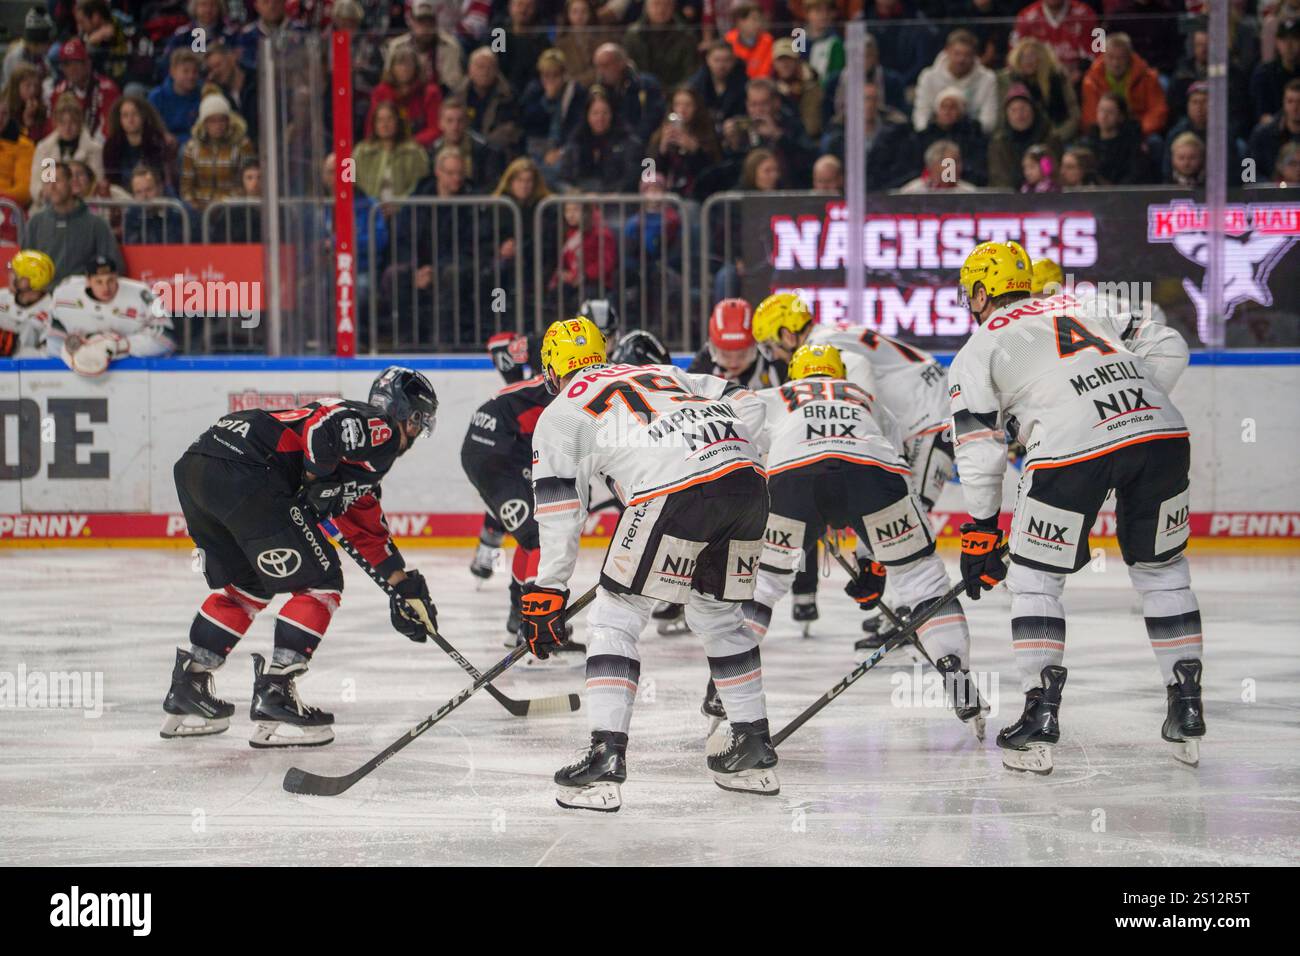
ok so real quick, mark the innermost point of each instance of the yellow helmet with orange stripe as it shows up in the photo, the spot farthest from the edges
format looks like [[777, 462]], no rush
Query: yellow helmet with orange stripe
[[570, 345], [810, 360]]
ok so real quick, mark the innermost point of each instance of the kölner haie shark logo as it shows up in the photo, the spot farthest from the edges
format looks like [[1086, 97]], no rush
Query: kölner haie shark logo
[[1256, 237]]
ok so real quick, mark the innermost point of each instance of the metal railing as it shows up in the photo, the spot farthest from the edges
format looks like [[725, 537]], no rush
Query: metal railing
[[647, 290], [120, 209], [729, 254], [12, 214], [443, 272]]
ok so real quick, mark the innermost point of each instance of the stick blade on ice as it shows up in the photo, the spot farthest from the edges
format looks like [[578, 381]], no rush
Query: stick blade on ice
[[315, 785]]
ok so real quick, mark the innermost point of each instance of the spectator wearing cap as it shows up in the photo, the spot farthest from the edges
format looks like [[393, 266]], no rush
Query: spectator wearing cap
[[1269, 81], [750, 40], [524, 42], [271, 22], [207, 16], [1122, 71], [942, 172], [481, 163], [215, 154], [957, 66], [1194, 68], [1196, 120], [177, 98], [1032, 62], [798, 86], [890, 144], [69, 140], [1117, 142], [551, 110], [238, 85], [1067, 26], [637, 97], [439, 51], [1269, 138], [661, 43], [33, 46], [720, 82], [95, 92], [418, 99], [1023, 125], [493, 109], [68, 232], [950, 121]]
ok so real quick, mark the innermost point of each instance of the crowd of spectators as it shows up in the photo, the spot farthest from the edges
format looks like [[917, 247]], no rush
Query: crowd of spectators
[[528, 98]]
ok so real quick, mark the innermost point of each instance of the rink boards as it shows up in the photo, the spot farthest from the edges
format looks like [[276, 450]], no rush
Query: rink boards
[[88, 461]]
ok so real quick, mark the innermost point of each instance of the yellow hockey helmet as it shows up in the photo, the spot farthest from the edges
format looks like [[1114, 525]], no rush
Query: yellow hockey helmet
[[34, 266], [782, 310], [810, 360], [570, 345], [1047, 272], [1000, 267]]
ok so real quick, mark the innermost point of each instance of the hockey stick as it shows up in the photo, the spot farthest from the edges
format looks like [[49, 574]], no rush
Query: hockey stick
[[317, 785], [885, 609], [529, 707], [892, 640]]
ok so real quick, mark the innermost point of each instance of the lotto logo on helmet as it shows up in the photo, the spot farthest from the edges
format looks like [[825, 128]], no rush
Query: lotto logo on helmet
[[279, 562]]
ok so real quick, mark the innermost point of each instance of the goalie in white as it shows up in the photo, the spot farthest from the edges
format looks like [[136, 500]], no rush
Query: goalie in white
[[26, 304], [1087, 394], [99, 318]]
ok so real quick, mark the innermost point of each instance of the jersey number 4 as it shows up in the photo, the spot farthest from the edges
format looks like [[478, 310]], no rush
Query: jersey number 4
[[1071, 337], [633, 398]]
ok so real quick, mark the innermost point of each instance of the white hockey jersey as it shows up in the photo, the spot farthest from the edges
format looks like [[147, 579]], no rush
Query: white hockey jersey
[[131, 324], [28, 322], [816, 419], [1067, 379], [648, 430], [907, 380]]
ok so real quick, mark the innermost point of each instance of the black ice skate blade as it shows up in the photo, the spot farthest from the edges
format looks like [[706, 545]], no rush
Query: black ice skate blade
[[314, 743], [753, 793], [572, 806]]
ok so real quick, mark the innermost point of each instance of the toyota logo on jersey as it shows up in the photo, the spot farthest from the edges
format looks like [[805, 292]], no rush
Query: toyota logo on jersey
[[279, 562]]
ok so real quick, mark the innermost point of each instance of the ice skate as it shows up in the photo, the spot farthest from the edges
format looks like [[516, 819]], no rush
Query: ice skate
[[280, 716], [743, 759], [877, 630], [1185, 721], [712, 707], [804, 612], [1027, 744], [670, 619], [192, 706], [594, 781], [484, 562], [960, 688]]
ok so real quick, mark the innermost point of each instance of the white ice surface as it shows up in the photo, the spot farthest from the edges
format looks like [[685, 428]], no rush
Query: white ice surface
[[865, 782]]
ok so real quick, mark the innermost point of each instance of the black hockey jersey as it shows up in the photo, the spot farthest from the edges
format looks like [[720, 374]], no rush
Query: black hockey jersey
[[504, 424], [352, 441], [763, 373]]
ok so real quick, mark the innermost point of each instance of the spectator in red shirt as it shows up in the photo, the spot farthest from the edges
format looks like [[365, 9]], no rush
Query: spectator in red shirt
[[751, 41], [417, 98], [1067, 26], [95, 92], [1121, 69]]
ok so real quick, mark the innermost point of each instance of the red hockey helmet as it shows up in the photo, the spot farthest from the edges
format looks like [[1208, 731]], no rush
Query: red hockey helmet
[[731, 336]]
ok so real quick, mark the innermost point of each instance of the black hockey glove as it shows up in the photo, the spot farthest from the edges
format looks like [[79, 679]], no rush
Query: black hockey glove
[[982, 565], [868, 586], [542, 611], [413, 613], [325, 497]]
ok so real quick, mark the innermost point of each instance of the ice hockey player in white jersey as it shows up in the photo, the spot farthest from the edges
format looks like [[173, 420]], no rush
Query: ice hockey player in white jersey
[[25, 304], [99, 318], [907, 381], [1094, 415], [833, 461], [679, 450]]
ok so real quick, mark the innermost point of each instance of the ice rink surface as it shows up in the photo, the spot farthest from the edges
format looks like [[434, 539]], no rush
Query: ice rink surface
[[876, 779]]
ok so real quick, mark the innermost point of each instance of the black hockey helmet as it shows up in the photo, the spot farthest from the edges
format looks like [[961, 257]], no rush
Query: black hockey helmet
[[406, 395], [603, 313], [639, 347]]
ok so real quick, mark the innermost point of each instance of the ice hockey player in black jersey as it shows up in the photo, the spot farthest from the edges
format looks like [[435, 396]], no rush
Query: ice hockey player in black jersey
[[253, 488]]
